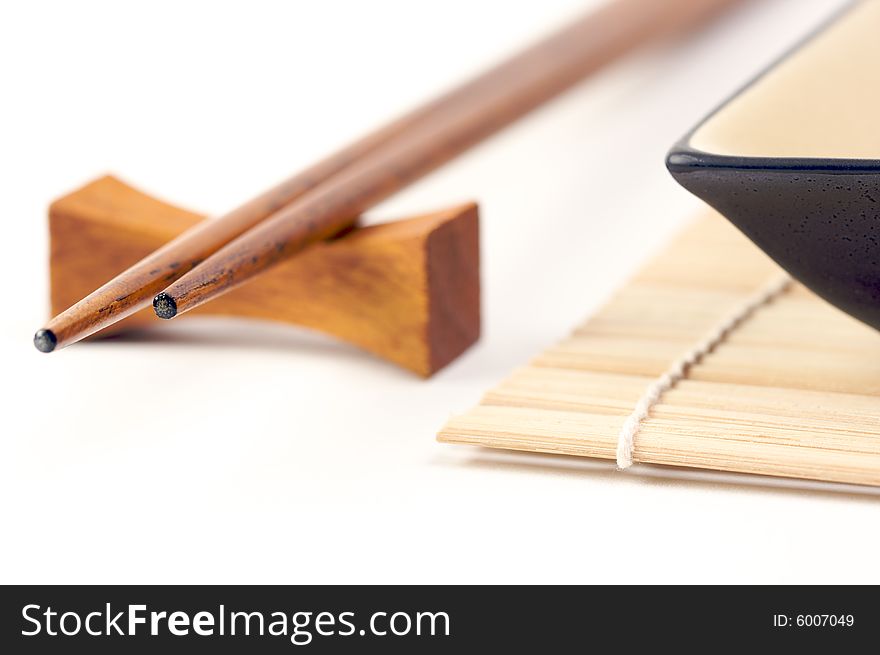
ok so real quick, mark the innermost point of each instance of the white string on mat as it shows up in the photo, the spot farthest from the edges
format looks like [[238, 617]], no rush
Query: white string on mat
[[679, 368]]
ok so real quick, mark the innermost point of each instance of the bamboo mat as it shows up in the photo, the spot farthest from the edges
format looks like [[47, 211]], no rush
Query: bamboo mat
[[794, 390]]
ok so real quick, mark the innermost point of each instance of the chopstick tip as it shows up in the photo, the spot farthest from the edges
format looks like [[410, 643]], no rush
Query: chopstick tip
[[164, 306], [45, 341]]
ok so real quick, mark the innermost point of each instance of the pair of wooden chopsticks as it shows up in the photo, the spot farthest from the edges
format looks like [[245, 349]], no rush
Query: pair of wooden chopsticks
[[219, 254]]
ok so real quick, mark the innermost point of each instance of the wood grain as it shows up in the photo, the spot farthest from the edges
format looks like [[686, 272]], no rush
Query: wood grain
[[794, 391], [407, 291]]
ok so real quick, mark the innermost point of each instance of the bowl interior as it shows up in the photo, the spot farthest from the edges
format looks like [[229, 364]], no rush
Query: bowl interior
[[822, 101]]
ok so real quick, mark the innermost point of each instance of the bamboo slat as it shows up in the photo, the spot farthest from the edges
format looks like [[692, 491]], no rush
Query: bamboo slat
[[793, 391]]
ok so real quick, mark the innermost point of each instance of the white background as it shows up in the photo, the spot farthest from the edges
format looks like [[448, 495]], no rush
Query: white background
[[223, 451]]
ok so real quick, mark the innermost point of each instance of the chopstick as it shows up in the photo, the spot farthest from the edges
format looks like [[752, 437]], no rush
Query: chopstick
[[213, 258]]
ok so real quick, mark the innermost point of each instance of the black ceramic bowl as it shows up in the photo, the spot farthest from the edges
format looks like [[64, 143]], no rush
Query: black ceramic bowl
[[793, 160]]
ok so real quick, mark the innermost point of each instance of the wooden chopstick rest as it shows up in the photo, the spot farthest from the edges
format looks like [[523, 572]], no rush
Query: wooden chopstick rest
[[407, 291]]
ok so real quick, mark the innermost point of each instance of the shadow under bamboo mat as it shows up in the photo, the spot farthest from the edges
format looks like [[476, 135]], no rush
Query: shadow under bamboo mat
[[793, 390]]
